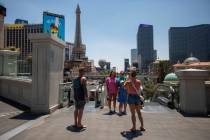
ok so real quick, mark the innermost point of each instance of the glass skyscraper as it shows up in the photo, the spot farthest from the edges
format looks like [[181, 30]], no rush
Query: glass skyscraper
[[187, 41], [126, 64], [145, 46], [134, 57]]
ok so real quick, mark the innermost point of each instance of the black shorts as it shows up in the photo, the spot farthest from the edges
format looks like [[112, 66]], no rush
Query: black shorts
[[80, 104]]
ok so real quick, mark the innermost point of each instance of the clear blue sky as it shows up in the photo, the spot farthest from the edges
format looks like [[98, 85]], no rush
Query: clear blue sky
[[109, 27]]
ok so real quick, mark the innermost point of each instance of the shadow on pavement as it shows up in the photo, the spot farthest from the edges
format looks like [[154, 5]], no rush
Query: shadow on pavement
[[14, 104], [72, 128], [193, 115], [110, 113], [121, 114], [131, 134], [26, 116]]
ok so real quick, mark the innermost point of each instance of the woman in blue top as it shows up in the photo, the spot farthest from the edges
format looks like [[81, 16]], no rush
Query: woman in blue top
[[122, 95]]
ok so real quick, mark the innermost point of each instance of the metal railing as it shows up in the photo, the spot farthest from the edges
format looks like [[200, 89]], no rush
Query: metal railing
[[65, 93]]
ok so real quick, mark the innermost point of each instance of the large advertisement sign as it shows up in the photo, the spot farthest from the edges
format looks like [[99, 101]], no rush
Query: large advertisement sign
[[54, 24]]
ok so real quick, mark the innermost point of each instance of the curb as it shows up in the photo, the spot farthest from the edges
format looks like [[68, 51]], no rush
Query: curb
[[11, 133]]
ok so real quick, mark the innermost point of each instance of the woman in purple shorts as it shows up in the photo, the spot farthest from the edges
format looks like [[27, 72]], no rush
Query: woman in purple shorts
[[111, 85]]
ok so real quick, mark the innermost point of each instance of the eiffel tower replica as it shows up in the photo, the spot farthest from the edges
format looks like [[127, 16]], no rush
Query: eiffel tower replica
[[78, 58]]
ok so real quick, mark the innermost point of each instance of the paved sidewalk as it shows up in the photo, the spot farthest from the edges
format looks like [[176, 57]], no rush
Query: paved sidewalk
[[160, 123], [10, 116]]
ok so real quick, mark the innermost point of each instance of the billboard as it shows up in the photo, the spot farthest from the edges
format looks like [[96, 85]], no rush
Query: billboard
[[54, 24]]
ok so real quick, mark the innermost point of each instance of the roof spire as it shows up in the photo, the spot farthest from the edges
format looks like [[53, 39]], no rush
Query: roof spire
[[78, 9], [78, 37]]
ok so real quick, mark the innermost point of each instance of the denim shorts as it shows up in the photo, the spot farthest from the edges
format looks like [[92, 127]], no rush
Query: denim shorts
[[134, 99]]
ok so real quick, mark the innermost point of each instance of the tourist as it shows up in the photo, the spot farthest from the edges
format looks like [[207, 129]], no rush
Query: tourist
[[135, 100], [80, 97], [111, 85], [122, 95]]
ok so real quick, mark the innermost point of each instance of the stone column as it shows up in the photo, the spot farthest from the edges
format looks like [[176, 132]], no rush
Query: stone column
[[47, 72], [192, 91]]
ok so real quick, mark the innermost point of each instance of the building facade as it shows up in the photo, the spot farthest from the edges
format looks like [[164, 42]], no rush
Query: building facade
[[108, 65], [187, 41], [68, 51], [126, 64], [155, 55], [145, 46], [16, 35], [134, 55]]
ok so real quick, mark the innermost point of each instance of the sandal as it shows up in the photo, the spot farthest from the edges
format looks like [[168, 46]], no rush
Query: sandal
[[142, 129], [132, 130], [74, 126], [82, 126]]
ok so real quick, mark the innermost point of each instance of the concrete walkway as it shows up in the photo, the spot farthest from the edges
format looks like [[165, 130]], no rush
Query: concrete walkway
[[9, 115], [160, 123]]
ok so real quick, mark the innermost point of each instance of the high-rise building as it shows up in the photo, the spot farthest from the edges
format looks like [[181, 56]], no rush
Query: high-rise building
[[134, 55], [126, 64], [155, 55], [2, 15], [145, 46], [16, 35], [187, 41], [135, 64], [108, 65]]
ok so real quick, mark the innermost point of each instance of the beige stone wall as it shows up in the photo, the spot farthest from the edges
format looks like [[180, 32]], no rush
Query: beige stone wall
[[16, 90]]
